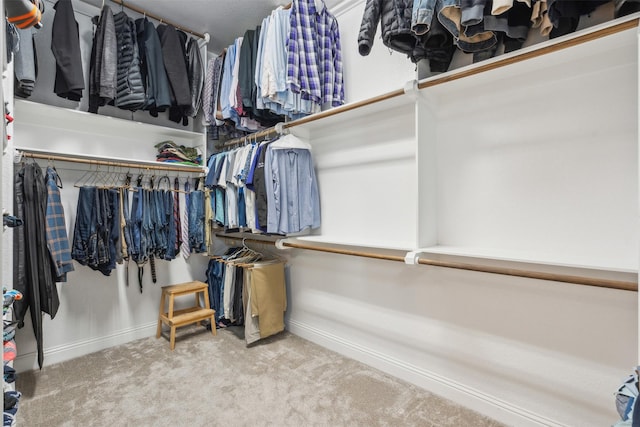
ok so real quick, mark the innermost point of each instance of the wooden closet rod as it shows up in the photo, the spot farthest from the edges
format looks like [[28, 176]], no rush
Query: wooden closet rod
[[253, 136], [530, 274], [317, 116], [577, 280], [141, 11], [113, 163]]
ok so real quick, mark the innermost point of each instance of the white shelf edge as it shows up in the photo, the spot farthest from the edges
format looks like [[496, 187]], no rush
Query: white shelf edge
[[46, 110], [136, 164]]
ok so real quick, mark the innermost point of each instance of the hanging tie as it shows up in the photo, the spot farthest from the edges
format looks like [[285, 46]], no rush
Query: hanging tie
[[176, 214], [185, 248]]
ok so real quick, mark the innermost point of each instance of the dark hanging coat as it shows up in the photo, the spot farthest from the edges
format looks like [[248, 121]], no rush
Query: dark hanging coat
[[130, 92], [32, 261], [154, 75], [65, 45], [196, 76], [104, 62], [174, 55]]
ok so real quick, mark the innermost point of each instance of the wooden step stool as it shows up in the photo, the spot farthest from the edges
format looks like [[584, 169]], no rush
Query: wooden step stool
[[185, 316]]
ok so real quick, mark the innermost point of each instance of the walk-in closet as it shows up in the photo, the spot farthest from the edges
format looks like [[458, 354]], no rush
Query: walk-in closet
[[320, 212]]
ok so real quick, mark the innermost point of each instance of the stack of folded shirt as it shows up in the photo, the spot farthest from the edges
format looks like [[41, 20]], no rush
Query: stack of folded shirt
[[169, 151]]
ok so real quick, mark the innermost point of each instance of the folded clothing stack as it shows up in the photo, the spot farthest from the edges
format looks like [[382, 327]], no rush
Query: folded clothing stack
[[9, 296], [11, 397], [169, 151]]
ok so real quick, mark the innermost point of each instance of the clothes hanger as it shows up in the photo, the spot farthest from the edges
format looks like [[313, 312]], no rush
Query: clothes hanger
[[290, 141], [115, 178], [97, 177], [81, 182], [51, 164], [162, 179]]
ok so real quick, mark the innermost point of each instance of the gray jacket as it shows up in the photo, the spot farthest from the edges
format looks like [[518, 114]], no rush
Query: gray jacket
[[196, 76], [103, 64]]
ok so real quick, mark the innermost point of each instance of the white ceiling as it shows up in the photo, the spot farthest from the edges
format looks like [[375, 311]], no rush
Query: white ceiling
[[224, 20]]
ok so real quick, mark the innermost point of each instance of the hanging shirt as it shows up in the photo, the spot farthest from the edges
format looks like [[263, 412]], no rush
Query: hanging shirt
[[57, 239], [293, 202], [231, 191], [260, 63], [233, 96], [225, 84], [314, 54]]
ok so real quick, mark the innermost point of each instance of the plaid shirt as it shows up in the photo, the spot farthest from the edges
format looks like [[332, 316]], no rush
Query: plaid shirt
[[314, 67], [57, 240]]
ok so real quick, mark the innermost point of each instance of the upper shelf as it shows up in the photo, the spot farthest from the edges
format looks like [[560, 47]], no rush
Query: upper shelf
[[43, 115]]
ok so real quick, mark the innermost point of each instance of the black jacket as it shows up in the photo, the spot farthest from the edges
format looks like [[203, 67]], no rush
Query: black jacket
[[104, 62], [394, 17], [154, 75], [174, 61], [65, 45], [173, 51]]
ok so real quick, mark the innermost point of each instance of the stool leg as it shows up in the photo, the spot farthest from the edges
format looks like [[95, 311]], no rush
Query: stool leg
[[205, 295], [172, 338], [213, 324], [160, 313], [197, 305]]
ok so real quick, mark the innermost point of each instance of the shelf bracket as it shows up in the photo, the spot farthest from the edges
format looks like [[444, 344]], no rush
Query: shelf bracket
[[413, 91], [279, 244], [412, 257]]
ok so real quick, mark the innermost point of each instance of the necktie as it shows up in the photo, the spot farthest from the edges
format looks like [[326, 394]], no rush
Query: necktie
[[176, 214], [184, 248], [206, 94]]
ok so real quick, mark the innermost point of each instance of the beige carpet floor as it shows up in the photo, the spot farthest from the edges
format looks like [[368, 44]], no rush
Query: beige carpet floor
[[217, 381]]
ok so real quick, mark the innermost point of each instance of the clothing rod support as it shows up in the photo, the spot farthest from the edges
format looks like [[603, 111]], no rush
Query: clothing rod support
[[132, 164]]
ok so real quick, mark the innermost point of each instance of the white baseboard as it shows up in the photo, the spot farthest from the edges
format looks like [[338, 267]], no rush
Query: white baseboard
[[476, 400], [29, 361]]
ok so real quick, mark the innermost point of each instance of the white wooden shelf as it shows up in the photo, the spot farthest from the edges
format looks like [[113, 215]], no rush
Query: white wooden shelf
[[72, 132], [38, 114]]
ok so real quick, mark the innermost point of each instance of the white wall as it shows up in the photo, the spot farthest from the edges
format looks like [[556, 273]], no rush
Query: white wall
[[524, 351]]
